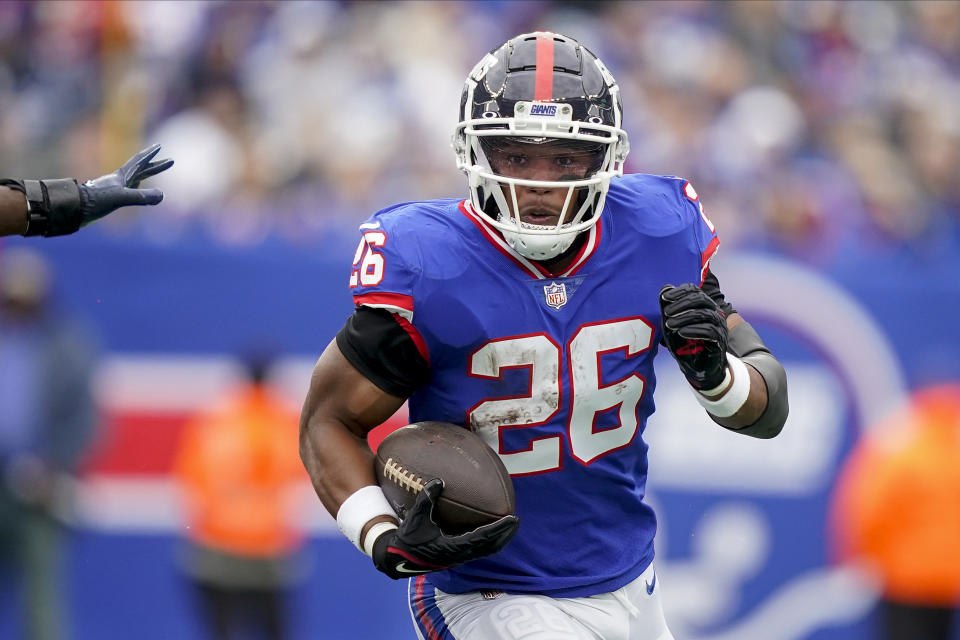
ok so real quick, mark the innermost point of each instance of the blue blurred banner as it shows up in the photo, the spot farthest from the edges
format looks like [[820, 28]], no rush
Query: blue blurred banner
[[744, 548]]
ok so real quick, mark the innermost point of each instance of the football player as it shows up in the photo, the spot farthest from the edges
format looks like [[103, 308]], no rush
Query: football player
[[61, 206], [531, 313]]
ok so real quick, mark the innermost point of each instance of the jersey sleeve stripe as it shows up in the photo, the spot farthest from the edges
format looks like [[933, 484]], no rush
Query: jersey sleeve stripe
[[706, 256], [397, 303], [418, 340]]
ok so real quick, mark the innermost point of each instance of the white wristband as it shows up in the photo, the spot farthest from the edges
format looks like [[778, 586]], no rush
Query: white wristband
[[735, 397], [360, 508]]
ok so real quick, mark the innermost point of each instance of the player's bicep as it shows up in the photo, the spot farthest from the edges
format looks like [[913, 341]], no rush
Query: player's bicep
[[386, 348], [341, 394]]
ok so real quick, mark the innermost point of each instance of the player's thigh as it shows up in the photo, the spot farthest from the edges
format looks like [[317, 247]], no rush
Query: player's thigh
[[631, 613], [490, 615], [509, 617]]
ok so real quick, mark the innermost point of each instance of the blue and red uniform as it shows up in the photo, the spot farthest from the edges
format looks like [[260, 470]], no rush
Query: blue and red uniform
[[554, 371]]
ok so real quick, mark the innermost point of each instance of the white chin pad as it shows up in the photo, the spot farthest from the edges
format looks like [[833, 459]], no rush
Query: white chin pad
[[537, 246]]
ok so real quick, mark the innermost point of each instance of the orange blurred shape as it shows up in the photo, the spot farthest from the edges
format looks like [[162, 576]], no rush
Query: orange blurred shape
[[897, 502]]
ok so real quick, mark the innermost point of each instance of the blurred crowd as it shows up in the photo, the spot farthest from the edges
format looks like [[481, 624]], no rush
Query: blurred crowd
[[811, 128]]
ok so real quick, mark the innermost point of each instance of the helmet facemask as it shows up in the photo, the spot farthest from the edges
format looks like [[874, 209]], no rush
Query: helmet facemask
[[584, 157]]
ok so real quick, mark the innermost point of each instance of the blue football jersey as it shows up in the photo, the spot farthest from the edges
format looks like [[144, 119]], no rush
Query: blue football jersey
[[555, 372]]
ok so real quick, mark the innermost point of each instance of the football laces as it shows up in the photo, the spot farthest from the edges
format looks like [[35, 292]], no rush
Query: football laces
[[396, 473]]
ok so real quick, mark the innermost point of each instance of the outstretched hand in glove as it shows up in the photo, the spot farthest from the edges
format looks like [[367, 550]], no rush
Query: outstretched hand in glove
[[105, 194], [61, 206], [419, 546]]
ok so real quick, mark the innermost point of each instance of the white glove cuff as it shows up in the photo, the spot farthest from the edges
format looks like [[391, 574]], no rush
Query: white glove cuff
[[735, 397], [375, 532], [720, 388], [360, 508]]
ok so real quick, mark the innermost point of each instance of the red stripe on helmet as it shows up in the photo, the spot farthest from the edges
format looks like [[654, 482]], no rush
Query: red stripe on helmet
[[543, 84]]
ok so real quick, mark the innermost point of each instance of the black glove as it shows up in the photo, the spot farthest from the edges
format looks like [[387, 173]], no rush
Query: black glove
[[61, 206], [121, 188], [419, 546], [695, 331]]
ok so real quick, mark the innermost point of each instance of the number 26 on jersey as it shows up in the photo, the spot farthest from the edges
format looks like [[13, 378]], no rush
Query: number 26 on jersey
[[543, 357]]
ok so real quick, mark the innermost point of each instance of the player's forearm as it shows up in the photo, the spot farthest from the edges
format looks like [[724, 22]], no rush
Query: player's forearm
[[341, 407], [764, 411], [337, 461], [61, 206], [340, 465], [13, 212]]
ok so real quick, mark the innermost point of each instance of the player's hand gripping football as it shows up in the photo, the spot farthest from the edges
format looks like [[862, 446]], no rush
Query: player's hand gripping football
[[419, 546], [105, 194], [695, 331]]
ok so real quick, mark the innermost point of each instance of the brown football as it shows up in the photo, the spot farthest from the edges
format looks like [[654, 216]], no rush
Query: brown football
[[477, 489]]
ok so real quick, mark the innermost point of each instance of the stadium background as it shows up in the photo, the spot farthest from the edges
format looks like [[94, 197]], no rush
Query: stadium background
[[823, 138]]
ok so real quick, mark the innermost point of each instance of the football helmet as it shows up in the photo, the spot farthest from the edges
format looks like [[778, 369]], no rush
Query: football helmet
[[547, 91]]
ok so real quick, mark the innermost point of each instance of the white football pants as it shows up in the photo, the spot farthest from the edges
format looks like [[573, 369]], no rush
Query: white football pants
[[632, 612]]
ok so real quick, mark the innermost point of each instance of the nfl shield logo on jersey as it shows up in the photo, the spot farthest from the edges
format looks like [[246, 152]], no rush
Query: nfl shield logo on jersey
[[556, 294]]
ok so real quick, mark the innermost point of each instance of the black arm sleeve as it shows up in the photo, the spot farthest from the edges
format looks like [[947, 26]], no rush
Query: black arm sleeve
[[375, 343], [53, 206], [746, 344], [711, 286]]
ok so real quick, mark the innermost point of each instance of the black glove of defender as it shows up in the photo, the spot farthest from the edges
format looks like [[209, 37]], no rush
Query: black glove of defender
[[61, 206], [695, 331], [121, 188], [419, 546]]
